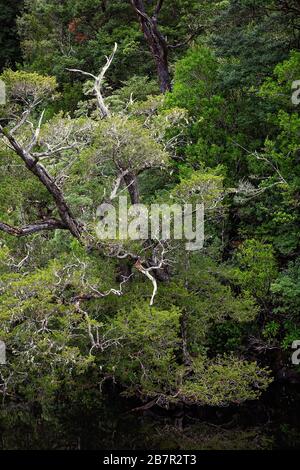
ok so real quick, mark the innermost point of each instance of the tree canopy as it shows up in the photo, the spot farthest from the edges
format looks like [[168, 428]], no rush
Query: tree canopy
[[166, 102]]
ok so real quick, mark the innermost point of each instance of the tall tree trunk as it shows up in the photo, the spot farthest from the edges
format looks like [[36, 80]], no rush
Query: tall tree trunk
[[156, 42], [185, 352], [133, 189]]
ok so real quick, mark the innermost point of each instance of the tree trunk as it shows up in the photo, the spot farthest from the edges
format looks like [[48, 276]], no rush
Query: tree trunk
[[132, 185], [185, 352], [156, 42]]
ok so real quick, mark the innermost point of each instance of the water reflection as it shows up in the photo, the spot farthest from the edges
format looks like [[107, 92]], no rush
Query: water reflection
[[271, 423]]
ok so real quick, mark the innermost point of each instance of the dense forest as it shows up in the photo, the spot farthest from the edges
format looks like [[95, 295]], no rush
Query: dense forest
[[165, 102]]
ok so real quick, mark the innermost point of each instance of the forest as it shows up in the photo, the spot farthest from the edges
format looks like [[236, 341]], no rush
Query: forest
[[193, 103]]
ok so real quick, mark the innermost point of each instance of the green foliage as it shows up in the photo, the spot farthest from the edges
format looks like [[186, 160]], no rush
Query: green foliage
[[28, 88], [227, 336], [226, 380], [131, 145], [286, 290], [271, 330], [209, 305], [252, 36], [201, 187], [256, 268], [136, 88], [10, 52], [194, 79], [286, 297], [278, 87], [146, 360]]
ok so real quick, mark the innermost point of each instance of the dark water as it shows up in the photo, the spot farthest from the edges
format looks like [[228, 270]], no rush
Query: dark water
[[273, 422]]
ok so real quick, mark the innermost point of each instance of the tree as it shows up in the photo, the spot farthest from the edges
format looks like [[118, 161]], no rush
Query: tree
[[132, 151]]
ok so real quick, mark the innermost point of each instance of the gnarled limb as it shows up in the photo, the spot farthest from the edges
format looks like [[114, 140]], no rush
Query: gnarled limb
[[50, 224], [67, 219]]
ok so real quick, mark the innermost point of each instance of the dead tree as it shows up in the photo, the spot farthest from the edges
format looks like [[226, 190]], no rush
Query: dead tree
[[98, 82]]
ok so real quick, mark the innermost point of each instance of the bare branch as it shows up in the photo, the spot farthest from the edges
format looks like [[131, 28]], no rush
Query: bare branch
[[36, 134], [83, 73], [20, 264], [95, 294], [146, 273], [260, 157], [22, 121]]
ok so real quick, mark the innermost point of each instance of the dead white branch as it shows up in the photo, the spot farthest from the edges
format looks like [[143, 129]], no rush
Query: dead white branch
[[36, 134], [152, 279], [146, 271], [98, 82]]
